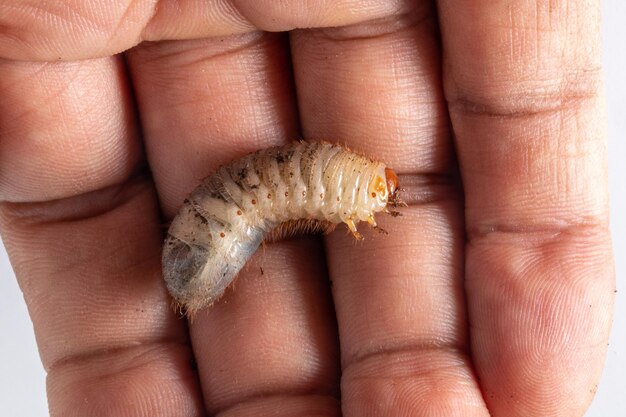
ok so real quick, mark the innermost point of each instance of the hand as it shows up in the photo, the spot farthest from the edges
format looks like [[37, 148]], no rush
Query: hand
[[490, 298]]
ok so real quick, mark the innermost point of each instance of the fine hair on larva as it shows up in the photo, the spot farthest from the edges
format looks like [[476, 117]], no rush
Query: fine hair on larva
[[224, 220]]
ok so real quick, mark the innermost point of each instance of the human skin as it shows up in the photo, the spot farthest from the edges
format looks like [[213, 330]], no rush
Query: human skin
[[493, 296]]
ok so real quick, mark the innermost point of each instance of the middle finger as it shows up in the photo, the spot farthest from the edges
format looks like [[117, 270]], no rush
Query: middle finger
[[399, 298]]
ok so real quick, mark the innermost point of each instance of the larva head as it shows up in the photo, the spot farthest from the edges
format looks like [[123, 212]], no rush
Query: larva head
[[394, 189], [392, 181]]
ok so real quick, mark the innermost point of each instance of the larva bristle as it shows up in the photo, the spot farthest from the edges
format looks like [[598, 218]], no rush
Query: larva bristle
[[292, 228]]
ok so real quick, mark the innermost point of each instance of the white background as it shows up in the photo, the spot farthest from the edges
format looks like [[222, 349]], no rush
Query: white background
[[22, 379]]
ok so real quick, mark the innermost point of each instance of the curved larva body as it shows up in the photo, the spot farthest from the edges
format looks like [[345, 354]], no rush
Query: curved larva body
[[224, 220]]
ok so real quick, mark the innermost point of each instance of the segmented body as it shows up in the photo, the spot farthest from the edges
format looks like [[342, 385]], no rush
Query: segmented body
[[225, 219]]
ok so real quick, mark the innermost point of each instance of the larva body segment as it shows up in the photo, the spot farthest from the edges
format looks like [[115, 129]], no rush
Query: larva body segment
[[225, 219]]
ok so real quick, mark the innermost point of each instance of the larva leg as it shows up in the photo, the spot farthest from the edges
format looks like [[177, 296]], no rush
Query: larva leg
[[352, 226], [372, 222], [393, 213]]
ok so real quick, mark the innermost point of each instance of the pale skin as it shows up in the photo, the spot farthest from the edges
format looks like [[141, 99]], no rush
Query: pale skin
[[493, 296]]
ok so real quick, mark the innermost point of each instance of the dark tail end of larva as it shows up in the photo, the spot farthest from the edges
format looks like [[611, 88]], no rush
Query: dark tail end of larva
[[202, 255], [196, 277]]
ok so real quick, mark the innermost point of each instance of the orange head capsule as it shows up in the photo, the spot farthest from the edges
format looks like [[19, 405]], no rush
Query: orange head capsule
[[394, 190], [392, 180], [392, 187]]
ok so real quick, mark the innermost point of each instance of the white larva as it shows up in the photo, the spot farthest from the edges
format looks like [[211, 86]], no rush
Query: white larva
[[225, 219]]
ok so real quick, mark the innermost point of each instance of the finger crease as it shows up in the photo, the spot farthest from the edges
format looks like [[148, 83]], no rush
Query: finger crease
[[137, 349], [545, 105], [82, 206], [452, 348], [571, 92], [421, 189], [377, 28], [531, 233], [330, 391], [321, 401], [159, 51]]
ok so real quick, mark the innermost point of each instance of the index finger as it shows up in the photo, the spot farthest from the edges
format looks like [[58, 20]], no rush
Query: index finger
[[524, 84]]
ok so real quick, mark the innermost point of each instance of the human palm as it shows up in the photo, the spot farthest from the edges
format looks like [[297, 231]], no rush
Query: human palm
[[491, 295]]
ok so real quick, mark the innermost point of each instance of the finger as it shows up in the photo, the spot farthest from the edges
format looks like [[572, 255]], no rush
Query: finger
[[206, 102], [399, 298], [71, 30], [88, 261], [47, 113], [524, 86], [272, 336]]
